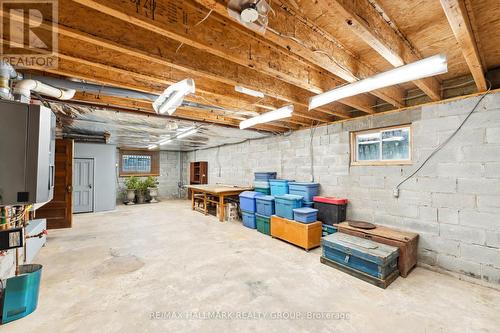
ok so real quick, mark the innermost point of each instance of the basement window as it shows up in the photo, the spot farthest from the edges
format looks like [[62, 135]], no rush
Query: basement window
[[386, 146], [139, 163]]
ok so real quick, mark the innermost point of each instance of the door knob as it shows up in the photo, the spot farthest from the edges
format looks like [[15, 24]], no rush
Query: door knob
[[90, 185]]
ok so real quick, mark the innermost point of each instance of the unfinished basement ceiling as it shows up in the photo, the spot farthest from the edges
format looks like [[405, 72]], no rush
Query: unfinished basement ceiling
[[309, 47], [131, 130]]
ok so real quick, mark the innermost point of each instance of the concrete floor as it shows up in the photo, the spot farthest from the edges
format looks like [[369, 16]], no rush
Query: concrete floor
[[113, 270]]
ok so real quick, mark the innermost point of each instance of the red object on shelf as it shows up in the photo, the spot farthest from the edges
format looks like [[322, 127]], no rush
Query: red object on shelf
[[331, 200]]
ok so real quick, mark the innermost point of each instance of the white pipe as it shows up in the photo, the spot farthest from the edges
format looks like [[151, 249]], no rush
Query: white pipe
[[25, 87]]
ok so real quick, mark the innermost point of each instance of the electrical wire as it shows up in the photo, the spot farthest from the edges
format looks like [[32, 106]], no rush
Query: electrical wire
[[396, 189], [311, 148], [194, 26]]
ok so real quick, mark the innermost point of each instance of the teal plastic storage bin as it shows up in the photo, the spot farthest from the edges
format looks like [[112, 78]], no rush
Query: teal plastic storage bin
[[279, 186], [265, 205], [328, 229], [307, 190], [285, 204], [249, 220], [263, 191], [263, 224], [21, 293]]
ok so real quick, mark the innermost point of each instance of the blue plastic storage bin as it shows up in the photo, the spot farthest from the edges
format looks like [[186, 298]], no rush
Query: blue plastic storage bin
[[264, 176], [305, 215], [265, 205], [279, 186], [308, 204], [285, 204], [307, 190], [261, 184], [249, 220], [247, 201]]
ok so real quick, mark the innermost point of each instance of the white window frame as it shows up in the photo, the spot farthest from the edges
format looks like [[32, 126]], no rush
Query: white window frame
[[354, 147]]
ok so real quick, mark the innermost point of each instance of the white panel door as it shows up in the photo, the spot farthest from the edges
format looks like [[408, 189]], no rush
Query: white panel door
[[83, 185]]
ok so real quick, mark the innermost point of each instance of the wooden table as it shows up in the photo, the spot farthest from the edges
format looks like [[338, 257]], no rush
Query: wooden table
[[219, 191]]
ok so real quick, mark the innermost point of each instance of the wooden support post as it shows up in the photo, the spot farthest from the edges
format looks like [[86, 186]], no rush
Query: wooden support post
[[221, 208]]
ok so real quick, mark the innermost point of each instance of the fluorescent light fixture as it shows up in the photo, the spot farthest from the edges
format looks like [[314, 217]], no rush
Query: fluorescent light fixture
[[284, 112], [434, 65], [249, 92], [187, 133], [173, 96], [160, 143]]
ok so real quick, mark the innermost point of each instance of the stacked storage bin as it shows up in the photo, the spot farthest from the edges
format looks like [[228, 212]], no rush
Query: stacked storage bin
[[331, 210], [248, 207], [306, 190], [262, 187], [285, 204], [261, 182], [305, 215], [265, 208], [279, 186]]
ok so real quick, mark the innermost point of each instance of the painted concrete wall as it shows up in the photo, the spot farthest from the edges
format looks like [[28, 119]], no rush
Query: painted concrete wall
[[104, 173], [453, 202], [171, 173]]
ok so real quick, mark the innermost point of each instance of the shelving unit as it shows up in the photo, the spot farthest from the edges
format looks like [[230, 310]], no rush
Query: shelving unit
[[198, 174]]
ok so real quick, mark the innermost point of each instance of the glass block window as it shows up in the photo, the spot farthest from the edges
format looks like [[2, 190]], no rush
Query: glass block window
[[139, 163], [136, 163], [382, 146]]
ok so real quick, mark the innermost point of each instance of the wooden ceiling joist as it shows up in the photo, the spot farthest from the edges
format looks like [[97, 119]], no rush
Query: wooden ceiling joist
[[300, 36], [367, 22], [196, 62], [218, 38], [456, 13]]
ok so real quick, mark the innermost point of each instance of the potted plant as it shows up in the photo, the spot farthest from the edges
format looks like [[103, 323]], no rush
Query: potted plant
[[142, 189], [131, 184], [152, 185]]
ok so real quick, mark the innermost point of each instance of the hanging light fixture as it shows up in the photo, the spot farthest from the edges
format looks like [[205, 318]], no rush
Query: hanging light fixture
[[173, 96], [284, 112], [431, 66]]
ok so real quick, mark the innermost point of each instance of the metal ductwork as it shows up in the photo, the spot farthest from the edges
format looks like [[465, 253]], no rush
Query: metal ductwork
[[7, 73], [94, 88], [129, 93]]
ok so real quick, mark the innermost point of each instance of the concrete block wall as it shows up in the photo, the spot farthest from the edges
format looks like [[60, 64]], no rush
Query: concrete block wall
[[170, 175], [453, 202]]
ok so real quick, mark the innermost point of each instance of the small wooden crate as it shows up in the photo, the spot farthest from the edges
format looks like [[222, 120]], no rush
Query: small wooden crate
[[406, 242], [306, 236]]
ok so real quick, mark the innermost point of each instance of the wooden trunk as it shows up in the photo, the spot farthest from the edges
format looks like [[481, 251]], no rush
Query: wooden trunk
[[406, 242], [306, 236]]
